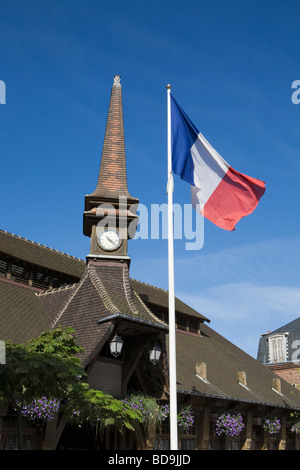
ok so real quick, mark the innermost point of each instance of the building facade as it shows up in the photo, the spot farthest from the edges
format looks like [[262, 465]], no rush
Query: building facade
[[279, 351], [42, 288]]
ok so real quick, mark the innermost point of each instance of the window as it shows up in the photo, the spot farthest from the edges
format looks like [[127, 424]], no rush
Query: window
[[257, 436], [3, 267], [187, 444], [41, 279], [233, 445], [213, 444], [161, 444], [20, 272], [277, 348], [187, 438], [9, 437], [272, 445]]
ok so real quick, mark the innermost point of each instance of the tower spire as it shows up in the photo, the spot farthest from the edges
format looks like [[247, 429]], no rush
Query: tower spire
[[111, 186], [112, 179]]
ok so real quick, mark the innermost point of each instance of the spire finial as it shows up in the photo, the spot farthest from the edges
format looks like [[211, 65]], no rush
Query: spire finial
[[117, 80]]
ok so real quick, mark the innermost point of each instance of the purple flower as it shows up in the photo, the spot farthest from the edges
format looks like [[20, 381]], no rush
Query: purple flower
[[229, 424], [272, 425], [43, 409]]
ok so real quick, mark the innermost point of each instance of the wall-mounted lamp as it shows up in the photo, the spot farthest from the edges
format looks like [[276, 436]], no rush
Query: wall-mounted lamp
[[116, 346], [154, 353]]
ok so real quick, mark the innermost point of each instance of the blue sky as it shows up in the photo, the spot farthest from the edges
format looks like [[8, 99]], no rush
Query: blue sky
[[231, 65]]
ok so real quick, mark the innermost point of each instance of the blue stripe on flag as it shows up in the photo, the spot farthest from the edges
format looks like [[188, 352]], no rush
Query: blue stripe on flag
[[184, 134]]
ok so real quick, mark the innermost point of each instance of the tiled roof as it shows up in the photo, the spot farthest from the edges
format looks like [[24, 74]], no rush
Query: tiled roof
[[103, 293], [223, 362], [40, 255], [160, 297], [21, 314]]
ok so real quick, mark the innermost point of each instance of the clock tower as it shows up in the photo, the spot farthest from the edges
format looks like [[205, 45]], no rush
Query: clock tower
[[109, 217]]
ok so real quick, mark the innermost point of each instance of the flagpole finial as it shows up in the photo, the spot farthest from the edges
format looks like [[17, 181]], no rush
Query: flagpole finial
[[168, 87]]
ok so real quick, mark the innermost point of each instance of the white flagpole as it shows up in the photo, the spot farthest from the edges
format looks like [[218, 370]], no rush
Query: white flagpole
[[172, 324]]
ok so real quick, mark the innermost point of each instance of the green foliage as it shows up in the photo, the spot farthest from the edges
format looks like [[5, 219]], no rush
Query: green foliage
[[146, 406], [49, 366], [152, 412], [45, 364], [85, 404], [59, 341]]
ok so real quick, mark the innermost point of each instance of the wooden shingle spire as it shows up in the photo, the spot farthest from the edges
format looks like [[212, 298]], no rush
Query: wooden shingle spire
[[112, 179]]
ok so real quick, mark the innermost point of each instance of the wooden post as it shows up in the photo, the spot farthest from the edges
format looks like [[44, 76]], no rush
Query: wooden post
[[248, 431], [203, 444], [282, 439]]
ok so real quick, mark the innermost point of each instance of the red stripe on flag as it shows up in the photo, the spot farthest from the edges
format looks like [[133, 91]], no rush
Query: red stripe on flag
[[236, 196]]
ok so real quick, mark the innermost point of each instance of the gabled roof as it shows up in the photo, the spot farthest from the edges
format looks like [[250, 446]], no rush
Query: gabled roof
[[102, 296]]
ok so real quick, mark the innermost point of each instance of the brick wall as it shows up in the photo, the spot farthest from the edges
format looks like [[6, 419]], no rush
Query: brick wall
[[290, 373]]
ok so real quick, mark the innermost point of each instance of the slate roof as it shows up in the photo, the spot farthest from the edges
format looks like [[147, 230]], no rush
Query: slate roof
[[292, 331]]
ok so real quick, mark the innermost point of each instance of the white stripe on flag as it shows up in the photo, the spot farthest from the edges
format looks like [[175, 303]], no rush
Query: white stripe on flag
[[209, 168]]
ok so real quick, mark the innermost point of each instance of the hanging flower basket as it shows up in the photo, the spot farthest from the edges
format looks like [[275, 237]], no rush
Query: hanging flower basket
[[229, 424], [43, 409], [296, 427], [163, 412], [146, 406], [149, 408], [272, 425], [185, 418]]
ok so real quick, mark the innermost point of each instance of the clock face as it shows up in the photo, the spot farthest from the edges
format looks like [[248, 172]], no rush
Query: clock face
[[109, 240]]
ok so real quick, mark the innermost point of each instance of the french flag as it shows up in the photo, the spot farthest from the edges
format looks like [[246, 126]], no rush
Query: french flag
[[222, 194]]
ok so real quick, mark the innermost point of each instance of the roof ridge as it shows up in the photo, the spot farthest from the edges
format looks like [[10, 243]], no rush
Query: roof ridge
[[56, 289], [148, 309], [101, 290], [128, 290], [151, 285], [39, 244], [59, 315], [179, 303]]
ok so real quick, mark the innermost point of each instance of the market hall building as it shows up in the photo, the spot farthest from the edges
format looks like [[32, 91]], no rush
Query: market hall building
[[41, 288]]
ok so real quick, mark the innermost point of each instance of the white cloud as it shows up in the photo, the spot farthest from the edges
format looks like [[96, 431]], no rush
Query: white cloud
[[268, 262], [245, 301], [243, 311]]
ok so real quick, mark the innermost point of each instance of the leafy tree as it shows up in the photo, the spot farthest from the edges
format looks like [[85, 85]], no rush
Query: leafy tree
[[50, 366]]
